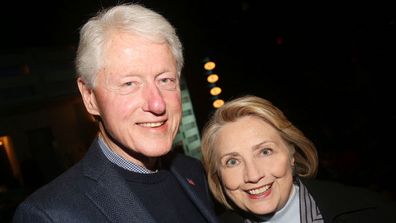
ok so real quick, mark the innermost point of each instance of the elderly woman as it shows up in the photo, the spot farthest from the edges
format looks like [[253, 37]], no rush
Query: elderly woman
[[259, 167]]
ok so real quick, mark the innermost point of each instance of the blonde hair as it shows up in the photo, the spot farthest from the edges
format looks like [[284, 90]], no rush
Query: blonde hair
[[305, 154]]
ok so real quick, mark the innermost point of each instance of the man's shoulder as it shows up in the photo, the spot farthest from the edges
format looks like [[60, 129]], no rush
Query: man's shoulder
[[61, 189]]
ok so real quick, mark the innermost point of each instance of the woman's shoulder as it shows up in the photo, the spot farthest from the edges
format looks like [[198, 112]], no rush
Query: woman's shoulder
[[229, 216], [337, 199], [337, 190]]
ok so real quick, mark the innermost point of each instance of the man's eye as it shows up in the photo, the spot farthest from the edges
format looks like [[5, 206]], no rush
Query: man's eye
[[166, 80], [127, 87], [168, 83], [129, 83], [231, 162]]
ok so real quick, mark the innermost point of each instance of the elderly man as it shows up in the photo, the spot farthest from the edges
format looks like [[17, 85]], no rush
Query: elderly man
[[129, 62]]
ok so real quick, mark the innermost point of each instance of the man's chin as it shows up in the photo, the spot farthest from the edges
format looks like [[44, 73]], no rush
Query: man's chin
[[155, 152]]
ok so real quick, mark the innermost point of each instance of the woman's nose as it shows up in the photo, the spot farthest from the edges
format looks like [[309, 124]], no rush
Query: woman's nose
[[252, 172]]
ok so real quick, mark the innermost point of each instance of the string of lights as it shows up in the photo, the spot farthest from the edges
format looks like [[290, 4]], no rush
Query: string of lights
[[212, 79]]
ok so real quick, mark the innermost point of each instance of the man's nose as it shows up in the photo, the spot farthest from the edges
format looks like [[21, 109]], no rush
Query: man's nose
[[154, 101]]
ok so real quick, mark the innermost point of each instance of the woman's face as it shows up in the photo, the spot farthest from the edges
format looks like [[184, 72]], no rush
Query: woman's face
[[255, 165]]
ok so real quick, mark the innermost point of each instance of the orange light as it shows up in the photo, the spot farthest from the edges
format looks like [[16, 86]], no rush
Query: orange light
[[215, 91], [209, 65], [213, 78], [218, 103]]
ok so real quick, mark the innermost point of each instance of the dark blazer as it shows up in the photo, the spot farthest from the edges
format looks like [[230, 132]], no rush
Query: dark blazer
[[341, 204], [94, 191]]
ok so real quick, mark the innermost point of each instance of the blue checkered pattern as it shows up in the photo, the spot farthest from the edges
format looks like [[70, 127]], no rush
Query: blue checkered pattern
[[121, 162]]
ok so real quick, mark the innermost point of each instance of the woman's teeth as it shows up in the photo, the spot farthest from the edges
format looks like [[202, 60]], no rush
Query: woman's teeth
[[260, 190]]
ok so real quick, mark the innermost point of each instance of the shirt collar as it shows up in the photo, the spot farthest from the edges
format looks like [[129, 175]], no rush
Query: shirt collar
[[119, 161]]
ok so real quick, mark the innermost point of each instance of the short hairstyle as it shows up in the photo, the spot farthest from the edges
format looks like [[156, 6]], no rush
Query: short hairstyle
[[305, 153], [130, 18]]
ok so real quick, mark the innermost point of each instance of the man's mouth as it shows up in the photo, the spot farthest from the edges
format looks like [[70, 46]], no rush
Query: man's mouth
[[151, 124]]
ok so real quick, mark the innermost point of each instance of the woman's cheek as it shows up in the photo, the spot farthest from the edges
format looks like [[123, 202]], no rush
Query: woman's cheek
[[231, 179]]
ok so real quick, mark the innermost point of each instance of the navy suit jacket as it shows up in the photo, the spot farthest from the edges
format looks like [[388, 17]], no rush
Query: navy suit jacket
[[94, 191]]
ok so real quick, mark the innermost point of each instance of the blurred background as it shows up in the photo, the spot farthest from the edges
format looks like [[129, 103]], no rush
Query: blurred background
[[329, 67]]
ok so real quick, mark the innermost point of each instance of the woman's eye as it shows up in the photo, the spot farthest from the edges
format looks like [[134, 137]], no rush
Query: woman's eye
[[231, 162], [266, 151]]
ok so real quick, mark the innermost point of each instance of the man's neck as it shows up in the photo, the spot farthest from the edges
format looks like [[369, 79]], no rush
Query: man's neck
[[149, 163]]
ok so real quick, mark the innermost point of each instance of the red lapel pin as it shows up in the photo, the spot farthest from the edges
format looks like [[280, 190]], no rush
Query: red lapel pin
[[190, 181]]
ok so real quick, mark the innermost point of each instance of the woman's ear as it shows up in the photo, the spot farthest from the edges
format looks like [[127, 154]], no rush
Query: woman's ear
[[88, 97], [292, 151]]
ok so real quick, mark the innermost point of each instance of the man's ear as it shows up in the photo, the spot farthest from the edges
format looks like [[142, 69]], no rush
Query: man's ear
[[88, 97]]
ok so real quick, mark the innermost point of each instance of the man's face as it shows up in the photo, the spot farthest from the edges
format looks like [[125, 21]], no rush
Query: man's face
[[137, 96]]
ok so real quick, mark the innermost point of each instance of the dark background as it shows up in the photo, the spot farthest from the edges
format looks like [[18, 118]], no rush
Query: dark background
[[327, 66]]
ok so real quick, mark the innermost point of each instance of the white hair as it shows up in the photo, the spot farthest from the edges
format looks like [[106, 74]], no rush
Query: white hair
[[130, 18]]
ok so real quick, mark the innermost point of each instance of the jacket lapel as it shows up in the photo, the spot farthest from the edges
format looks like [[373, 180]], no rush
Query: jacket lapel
[[187, 185], [111, 194]]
